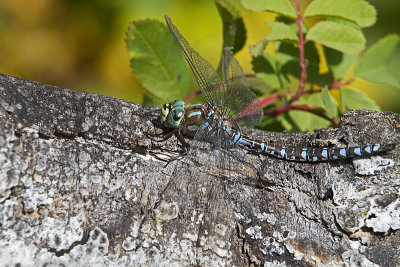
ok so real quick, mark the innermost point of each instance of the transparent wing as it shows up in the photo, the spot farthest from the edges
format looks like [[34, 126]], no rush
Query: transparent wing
[[208, 79], [196, 201], [187, 192], [241, 103]]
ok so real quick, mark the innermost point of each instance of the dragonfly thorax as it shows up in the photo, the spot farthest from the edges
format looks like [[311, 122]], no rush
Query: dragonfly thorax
[[190, 118]]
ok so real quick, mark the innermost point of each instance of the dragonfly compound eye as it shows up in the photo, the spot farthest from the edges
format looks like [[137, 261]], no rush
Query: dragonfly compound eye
[[177, 115], [164, 112], [165, 108]]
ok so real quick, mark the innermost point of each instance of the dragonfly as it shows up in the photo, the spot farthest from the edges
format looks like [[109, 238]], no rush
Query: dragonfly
[[214, 128], [230, 99]]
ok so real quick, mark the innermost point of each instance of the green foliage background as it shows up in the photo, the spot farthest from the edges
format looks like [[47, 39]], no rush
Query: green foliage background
[[80, 44]]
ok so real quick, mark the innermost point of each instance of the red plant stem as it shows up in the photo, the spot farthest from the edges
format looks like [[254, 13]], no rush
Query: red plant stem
[[336, 85], [339, 85], [302, 83], [305, 107], [316, 112], [268, 100], [191, 96], [303, 66]]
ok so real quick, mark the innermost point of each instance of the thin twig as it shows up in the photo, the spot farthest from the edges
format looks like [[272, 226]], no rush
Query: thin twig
[[302, 107], [303, 66]]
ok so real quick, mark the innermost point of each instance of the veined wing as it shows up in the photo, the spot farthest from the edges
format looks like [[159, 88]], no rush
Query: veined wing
[[208, 79], [241, 103], [195, 199]]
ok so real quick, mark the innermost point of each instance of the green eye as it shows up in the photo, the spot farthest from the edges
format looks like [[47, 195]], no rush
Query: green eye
[[172, 113], [177, 115], [164, 112]]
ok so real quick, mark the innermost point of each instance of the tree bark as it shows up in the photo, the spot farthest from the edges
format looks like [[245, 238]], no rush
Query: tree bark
[[80, 174]]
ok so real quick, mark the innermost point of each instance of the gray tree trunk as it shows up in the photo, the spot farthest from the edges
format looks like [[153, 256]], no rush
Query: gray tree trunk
[[79, 175]]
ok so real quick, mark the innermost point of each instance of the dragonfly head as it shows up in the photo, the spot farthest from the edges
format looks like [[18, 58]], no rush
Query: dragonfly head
[[172, 113]]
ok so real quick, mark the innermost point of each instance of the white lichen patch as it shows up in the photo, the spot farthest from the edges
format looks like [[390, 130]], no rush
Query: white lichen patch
[[32, 198], [60, 234], [130, 244], [371, 166], [214, 248], [386, 218], [191, 237], [135, 227], [11, 164], [297, 255], [282, 237], [275, 263], [270, 246], [374, 204], [97, 245], [84, 159], [117, 181], [353, 258], [8, 210], [270, 218], [146, 157], [41, 163], [254, 232], [87, 123]]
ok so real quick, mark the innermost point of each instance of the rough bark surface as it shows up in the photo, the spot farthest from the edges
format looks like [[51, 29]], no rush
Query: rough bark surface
[[79, 175]]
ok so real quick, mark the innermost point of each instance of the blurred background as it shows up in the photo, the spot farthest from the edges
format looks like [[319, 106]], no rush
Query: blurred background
[[80, 45]]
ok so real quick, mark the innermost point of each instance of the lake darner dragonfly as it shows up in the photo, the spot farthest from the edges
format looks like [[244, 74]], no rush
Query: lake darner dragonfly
[[230, 103], [214, 127]]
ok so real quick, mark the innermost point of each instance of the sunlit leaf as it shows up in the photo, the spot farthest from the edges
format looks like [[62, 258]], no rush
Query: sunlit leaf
[[157, 61], [373, 66], [329, 103], [305, 121], [352, 99], [359, 11], [283, 7], [257, 49], [281, 31], [338, 36]]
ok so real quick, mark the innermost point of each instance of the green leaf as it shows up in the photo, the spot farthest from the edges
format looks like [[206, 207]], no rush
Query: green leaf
[[157, 61], [288, 56], [269, 70], [234, 33], [359, 11], [258, 86], [271, 123], [298, 120], [339, 63], [281, 31], [338, 36], [257, 49], [329, 103], [373, 66], [283, 7], [352, 99]]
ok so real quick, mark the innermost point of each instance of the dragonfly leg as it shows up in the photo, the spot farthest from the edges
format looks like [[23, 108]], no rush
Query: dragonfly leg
[[182, 139], [169, 134], [165, 134], [179, 135]]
